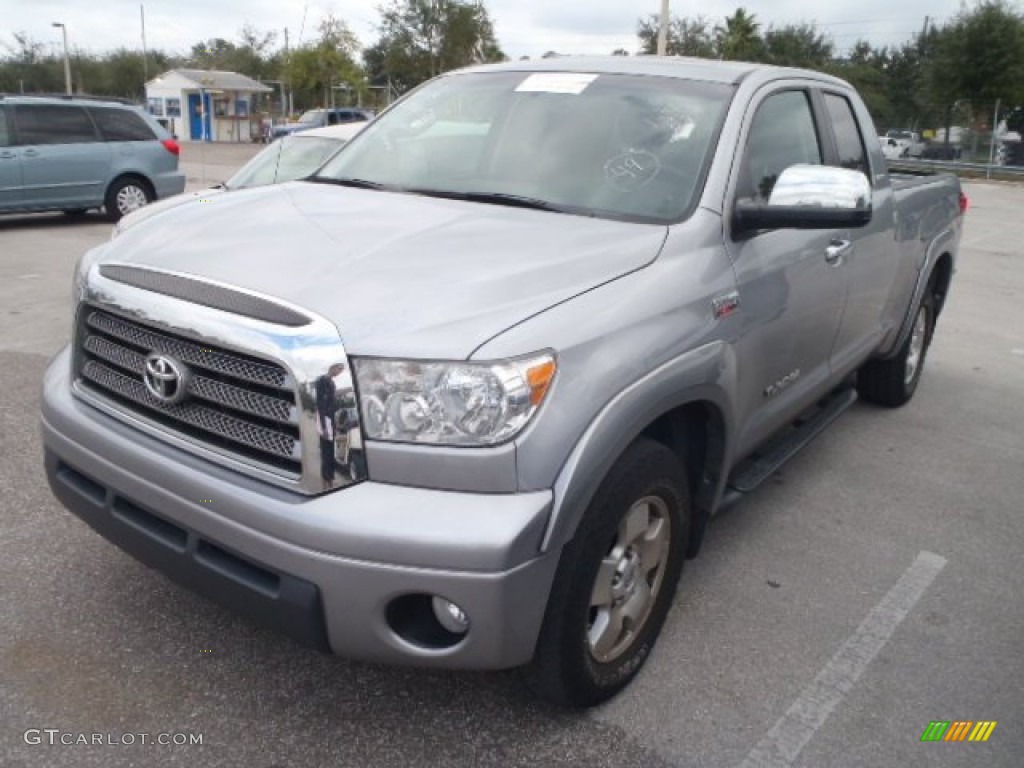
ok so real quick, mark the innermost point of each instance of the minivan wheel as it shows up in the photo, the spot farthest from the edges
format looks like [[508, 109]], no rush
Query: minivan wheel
[[615, 580], [892, 382], [126, 195]]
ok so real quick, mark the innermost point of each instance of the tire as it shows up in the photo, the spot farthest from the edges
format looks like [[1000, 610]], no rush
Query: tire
[[891, 383], [581, 658], [125, 195]]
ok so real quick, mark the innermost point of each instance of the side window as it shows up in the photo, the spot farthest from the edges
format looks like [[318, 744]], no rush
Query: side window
[[848, 138], [5, 134], [782, 134], [53, 124], [332, 118], [121, 125]]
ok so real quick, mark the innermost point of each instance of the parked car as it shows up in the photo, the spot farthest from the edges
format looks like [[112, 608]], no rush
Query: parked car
[[73, 155], [319, 118], [468, 397], [286, 159], [908, 143], [891, 150]]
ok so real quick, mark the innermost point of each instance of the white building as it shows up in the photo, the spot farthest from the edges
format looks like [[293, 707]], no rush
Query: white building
[[200, 104]]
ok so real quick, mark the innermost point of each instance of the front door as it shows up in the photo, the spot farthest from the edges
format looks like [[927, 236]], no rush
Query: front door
[[791, 297], [64, 162], [199, 118]]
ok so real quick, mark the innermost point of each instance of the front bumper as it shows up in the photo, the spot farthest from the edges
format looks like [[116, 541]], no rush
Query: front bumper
[[326, 570]]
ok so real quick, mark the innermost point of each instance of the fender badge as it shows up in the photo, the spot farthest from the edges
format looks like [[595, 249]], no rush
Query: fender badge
[[726, 304]]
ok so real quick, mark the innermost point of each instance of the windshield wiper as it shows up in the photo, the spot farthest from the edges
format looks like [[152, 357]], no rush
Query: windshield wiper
[[496, 198], [357, 183]]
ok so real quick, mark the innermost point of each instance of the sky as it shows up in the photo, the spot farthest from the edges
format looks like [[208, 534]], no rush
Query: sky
[[523, 27]]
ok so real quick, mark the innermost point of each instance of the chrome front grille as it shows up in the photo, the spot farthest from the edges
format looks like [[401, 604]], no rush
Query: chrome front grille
[[234, 403]]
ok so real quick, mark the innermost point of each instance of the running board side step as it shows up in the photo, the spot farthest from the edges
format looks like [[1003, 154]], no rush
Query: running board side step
[[754, 470]]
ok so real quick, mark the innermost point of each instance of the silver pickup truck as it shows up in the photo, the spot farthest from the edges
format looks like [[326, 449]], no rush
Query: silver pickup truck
[[468, 396]]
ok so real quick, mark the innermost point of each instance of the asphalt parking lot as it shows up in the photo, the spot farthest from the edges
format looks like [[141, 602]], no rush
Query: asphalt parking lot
[[875, 585]]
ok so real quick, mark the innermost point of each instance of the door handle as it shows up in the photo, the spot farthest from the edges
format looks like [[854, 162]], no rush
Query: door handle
[[837, 250], [7, 155], [30, 153]]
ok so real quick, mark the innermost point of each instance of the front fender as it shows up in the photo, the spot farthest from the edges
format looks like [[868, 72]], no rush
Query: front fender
[[703, 375]]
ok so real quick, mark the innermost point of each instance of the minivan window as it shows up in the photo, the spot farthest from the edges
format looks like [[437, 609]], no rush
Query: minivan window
[[782, 134], [5, 134], [848, 138], [121, 124], [52, 124], [611, 145]]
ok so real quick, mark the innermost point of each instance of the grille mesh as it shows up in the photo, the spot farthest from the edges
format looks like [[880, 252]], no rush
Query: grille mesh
[[207, 419], [218, 392], [189, 352], [235, 404]]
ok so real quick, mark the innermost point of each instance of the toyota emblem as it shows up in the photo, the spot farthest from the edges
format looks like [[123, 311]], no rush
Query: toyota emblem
[[166, 378]]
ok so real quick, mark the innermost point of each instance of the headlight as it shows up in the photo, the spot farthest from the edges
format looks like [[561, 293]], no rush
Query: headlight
[[450, 403]]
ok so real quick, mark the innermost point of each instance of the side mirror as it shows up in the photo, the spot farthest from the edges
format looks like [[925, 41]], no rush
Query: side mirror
[[809, 197]]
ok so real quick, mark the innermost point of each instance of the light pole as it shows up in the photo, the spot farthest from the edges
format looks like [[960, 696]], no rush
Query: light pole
[[67, 61], [663, 28]]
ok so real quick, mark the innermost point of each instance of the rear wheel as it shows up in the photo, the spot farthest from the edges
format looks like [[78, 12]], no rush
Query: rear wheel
[[126, 195], [615, 581], [892, 382]]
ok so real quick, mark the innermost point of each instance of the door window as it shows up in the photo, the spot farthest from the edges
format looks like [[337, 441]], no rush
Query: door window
[[783, 134], [5, 135], [53, 124], [848, 138]]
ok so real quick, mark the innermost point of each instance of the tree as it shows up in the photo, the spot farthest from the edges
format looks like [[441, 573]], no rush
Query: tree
[[686, 37], [797, 45], [316, 69], [979, 57], [423, 38], [866, 69], [739, 39]]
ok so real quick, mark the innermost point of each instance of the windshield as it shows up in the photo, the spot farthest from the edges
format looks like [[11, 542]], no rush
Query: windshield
[[287, 159], [620, 146], [314, 116], [900, 135]]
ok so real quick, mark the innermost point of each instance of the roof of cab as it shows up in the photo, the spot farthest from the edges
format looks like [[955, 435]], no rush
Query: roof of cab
[[681, 67]]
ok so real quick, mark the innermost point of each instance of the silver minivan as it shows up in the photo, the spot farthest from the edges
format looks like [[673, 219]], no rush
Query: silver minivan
[[71, 155]]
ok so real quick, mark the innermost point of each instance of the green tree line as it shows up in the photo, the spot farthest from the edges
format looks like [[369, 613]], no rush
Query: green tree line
[[953, 72]]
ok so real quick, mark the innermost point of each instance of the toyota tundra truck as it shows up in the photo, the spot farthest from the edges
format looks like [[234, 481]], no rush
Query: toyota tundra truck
[[468, 396]]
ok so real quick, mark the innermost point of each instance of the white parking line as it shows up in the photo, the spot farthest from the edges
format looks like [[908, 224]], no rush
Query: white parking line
[[781, 745]]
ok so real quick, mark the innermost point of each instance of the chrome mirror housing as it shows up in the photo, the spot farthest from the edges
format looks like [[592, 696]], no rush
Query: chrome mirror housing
[[822, 186]]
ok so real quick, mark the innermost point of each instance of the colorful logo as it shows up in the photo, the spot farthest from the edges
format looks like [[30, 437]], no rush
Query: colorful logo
[[958, 730]]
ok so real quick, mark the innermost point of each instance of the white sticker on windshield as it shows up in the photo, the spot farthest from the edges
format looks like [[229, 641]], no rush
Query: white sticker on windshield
[[557, 82]]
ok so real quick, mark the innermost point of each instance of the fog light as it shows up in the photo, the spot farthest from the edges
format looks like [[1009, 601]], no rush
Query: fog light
[[450, 616]]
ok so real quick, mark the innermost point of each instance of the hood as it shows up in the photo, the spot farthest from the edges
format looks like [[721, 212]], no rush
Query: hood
[[399, 275], [157, 206]]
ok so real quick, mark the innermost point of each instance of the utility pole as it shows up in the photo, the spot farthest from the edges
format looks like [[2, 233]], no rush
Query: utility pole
[[145, 64], [663, 29], [287, 105], [67, 61]]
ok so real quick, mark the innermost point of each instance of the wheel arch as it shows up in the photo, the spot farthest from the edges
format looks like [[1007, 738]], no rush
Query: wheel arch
[[692, 418]]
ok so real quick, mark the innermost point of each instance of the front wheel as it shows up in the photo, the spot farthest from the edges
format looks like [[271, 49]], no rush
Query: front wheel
[[615, 581], [126, 195], [892, 382]]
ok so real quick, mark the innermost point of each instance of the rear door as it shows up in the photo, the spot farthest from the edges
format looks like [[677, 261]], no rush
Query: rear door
[[64, 163], [872, 264], [10, 165], [133, 144], [791, 297]]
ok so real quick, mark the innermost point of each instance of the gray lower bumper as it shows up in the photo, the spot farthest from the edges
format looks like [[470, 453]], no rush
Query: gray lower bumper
[[324, 569]]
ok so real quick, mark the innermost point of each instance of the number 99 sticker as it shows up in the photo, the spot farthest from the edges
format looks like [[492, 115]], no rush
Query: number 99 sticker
[[632, 170]]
